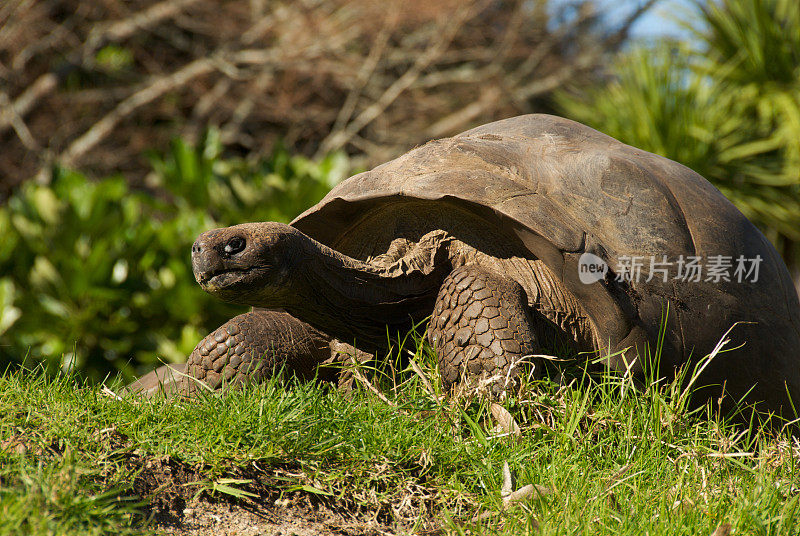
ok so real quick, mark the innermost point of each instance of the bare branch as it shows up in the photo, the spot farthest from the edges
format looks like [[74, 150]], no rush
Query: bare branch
[[152, 91], [9, 112], [364, 73], [465, 115], [320, 74], [401, 84], [142, 20]]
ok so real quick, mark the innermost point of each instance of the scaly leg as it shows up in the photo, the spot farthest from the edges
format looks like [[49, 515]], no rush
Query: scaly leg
[[252, 346], [481, 327], [248, 348]]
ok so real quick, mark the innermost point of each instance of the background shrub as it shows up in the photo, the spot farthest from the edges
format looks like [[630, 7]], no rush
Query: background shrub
[[98, 276]]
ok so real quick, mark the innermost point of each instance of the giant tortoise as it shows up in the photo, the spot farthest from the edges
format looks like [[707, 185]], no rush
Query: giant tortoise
[[513, 237]]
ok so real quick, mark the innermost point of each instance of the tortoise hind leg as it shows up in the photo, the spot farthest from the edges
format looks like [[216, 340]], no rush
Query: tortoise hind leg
[[253, 346], [481, 327]]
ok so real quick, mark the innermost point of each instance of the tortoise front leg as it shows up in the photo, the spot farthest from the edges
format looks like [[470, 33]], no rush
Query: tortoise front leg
[[481, 327], [253, 346], [248, 348]]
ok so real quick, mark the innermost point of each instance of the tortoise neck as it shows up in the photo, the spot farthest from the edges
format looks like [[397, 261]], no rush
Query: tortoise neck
[[354, 300]]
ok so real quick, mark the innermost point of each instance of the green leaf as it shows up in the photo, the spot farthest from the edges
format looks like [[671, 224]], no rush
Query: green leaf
[[310, 489], [228, 487], [8, 313], [476, 430]]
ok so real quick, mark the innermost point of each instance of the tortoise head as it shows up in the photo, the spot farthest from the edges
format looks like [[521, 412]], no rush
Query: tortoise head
[[250, 264]]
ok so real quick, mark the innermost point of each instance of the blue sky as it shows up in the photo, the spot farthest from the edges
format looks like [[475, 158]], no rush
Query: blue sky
[[659, 21]]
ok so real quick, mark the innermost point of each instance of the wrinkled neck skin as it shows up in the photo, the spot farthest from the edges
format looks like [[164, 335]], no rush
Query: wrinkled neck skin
[[355, 301]]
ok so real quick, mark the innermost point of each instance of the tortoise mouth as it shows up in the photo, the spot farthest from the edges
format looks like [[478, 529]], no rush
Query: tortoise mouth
[[215, 279]]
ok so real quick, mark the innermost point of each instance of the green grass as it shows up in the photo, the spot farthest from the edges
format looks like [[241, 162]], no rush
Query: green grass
[[607, 458]]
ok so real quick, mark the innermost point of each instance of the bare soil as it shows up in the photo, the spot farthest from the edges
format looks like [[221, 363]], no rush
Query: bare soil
[[178, 498], [179, 503], [204, 518]]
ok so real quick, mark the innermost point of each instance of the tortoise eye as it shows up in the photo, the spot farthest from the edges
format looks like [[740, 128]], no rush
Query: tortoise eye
[[234, 245]]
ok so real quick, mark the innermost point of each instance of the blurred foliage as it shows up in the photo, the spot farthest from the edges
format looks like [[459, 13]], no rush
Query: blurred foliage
[[98, 276], [113, 58], [92, 85], [239, 190], [728, 107]]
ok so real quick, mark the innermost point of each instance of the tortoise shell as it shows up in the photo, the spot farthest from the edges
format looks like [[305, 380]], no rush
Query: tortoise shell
[[548, 188]]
